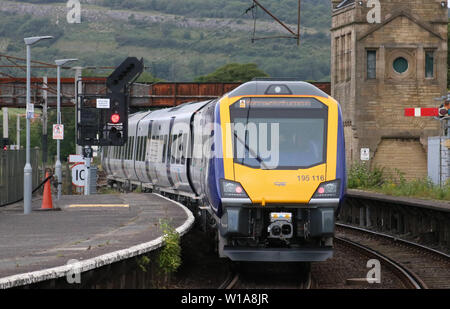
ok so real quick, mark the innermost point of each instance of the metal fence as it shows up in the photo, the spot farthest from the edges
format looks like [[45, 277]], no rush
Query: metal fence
[[12, 163]]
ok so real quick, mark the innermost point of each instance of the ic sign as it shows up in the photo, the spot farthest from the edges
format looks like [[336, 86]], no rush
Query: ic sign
[[78, 174]]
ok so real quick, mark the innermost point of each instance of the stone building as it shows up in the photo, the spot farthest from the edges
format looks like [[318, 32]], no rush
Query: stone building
[[388, 55]]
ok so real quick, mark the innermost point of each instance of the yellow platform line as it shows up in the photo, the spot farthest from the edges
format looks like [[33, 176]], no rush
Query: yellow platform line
[[99, 205]]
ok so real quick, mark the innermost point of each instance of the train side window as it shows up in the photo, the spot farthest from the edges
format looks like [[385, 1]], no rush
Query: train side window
[[173, 148], [141, 150], [144, 140], [164, 149], [127, 150], [177, 149], [184, 149], [138, 148], [144, 150]]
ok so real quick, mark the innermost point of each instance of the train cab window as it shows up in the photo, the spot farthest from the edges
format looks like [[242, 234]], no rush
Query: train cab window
[[289, 134]]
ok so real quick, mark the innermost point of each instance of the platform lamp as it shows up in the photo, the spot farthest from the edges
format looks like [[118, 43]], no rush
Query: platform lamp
[[28, 171], [59, 64]]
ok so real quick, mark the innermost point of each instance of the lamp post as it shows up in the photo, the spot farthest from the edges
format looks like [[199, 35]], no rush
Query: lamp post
[[27, 177], [59, 63]]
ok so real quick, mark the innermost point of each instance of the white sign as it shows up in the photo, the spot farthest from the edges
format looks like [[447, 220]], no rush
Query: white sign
[[103, 103], [78, 175], [58, 131], [76, 159], [30, 111], [365, 154]]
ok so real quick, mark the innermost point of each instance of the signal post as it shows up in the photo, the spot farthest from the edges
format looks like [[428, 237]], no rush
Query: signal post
[[102, 120]]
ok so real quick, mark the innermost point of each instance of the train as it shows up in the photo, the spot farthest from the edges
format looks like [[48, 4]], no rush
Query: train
[[262, 167]]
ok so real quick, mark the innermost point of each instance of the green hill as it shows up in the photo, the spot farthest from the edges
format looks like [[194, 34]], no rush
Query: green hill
[[179, 39]]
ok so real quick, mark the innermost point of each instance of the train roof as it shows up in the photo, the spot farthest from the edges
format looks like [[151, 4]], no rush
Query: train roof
[[185, 108], [266, 87]]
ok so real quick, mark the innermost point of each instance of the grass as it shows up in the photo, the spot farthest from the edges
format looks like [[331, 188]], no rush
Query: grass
[[382, 180]]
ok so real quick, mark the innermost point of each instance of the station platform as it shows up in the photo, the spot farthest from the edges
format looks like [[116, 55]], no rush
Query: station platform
[[437, 205], [96, 230]]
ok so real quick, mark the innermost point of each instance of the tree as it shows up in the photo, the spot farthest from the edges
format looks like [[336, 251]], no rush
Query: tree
[[233, 72]]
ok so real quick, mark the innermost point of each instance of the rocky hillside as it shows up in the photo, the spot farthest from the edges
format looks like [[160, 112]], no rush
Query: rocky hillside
[[179, 39]]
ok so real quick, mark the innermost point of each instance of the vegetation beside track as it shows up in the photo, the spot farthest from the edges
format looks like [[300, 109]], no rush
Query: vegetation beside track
[[383, 180]]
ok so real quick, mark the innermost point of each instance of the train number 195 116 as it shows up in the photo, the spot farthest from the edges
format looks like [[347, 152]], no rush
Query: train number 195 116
[[306, 178]]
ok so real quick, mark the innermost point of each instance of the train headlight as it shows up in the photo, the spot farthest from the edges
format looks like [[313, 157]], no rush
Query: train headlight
[[231, 189], [330, 189]]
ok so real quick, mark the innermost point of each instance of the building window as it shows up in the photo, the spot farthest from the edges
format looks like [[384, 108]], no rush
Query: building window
[[371, 64], [401, 65], [429, 64]]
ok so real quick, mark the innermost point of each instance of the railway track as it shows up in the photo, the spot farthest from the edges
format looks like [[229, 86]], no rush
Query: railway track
[[272, 278], [417, 266]]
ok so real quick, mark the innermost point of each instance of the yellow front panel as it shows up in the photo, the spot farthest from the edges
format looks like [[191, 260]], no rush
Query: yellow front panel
[[280, 186]]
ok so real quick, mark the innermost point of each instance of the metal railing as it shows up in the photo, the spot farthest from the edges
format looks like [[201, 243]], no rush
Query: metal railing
[[12, 163]]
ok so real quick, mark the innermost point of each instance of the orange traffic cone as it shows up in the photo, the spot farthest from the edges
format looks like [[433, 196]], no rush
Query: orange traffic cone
[[47, 202]]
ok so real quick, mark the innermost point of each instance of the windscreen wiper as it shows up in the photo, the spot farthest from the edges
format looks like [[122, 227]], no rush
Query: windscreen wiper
[[252, 152]]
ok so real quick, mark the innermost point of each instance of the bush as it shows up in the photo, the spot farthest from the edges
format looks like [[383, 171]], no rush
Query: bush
[[361, 176], [170, 256]]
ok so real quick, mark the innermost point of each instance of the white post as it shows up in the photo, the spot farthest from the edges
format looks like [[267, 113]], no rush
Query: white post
[[5, 122], [58, 170], [18, 132], [27, 171], [78, 91]]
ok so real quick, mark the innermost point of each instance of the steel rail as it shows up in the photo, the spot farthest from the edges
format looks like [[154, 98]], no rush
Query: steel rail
[[408, 278], [440, 254]]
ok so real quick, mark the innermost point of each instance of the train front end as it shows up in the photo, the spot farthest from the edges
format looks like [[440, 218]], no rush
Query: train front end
[[283, 180]]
